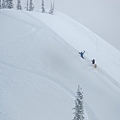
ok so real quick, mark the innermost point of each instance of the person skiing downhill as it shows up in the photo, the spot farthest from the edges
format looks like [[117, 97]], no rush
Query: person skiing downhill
[[81, 54], [94, 64], [93, 61]]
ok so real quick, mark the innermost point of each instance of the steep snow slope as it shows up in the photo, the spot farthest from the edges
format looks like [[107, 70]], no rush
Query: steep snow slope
[[40, 69], [101, 16], [83, 39]]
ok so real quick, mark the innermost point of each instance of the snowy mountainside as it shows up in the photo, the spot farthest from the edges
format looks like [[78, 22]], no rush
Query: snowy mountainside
[[82, 38], [40, 69]]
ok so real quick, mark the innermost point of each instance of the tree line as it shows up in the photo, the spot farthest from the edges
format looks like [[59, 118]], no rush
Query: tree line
[[8, 4]]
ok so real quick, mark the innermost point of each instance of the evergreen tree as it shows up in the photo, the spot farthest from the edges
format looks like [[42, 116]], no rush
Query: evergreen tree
[[9, 4], [19, 7], [4, 4], [43, 8], [79, 107], [52, 8], [0, 5], [31, 7], [27, 7]]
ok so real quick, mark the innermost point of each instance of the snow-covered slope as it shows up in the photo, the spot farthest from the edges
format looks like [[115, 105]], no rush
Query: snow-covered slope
[[100, 16], [40, 68]]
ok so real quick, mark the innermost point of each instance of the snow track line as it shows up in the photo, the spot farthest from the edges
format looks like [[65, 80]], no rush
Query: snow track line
[[8, 116], [60, 85], [109, 77], [55, 35], [51, 33], [20, 37], [19, 20], [112, 80], [50, 79], [63, 43]]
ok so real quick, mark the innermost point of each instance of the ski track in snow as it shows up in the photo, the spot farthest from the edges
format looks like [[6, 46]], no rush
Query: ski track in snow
[[23, 21], [109, 77], [73, 49], [51, 32], [101, 71], [93, 36], [19, 20], [6, 116], [50, 78], [63, 43]]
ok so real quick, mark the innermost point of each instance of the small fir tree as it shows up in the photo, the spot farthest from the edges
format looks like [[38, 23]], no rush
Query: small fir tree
[[79, 107], [27, 6], [4, 4], [43, 8], [9, 4], [19, 7], [0, 5], [52, 8], [31, 7]]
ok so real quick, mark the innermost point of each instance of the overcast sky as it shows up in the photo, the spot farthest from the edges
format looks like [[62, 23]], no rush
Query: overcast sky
[[100, 16]]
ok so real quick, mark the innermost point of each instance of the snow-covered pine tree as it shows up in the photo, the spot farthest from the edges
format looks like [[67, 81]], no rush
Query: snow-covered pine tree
[[27, 6], [19, 7], [4, 4], [79, 107], [50, 12], [52, 8], [0, 5], [31, 7], [43, 6], [9, 4]]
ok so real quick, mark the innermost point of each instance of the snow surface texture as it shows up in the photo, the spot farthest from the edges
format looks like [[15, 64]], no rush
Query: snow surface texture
[[40, 68], [100, 16]]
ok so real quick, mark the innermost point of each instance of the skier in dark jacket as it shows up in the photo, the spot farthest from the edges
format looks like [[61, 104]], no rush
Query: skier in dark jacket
[[82, 53], [93, 61]]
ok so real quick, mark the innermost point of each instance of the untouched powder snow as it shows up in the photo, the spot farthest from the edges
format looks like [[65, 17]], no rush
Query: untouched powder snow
[[40, 68]]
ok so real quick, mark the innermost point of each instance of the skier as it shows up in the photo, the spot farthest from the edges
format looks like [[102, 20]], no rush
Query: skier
[[93, 61], [81, 54]]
